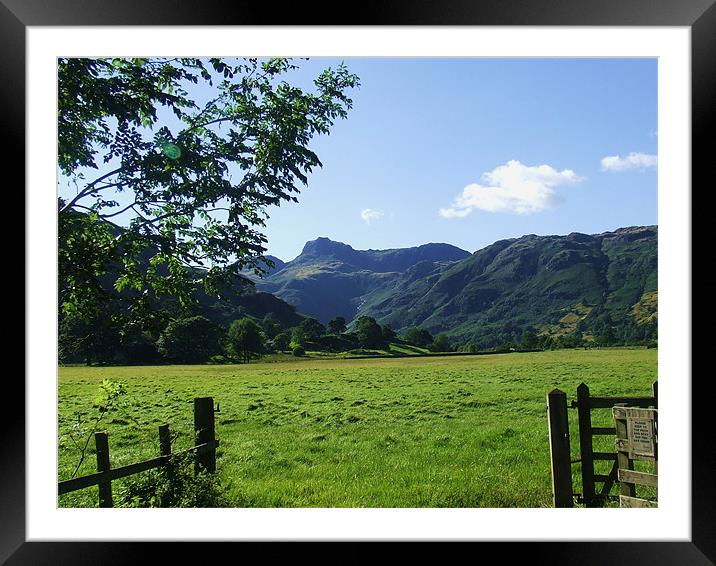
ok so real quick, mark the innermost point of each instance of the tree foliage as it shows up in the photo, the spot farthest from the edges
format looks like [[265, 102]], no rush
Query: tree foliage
[[388, 333], [281, 341], [174, 485], [87, 339], [530, 339], [369, 332], [418, 337], [311, 329], [245, 340], [174, 162], [337, 325], [189, 340], [297, 337], [271, 326], [441, 343]]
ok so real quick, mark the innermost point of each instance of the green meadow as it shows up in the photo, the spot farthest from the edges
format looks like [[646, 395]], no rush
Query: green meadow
[[457, 431]]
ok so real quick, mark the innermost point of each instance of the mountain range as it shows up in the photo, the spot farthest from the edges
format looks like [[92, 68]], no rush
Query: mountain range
[[330, 279], [547, 284]]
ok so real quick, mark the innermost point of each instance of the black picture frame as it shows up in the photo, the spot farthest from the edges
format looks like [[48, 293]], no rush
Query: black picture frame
[[699, 15]]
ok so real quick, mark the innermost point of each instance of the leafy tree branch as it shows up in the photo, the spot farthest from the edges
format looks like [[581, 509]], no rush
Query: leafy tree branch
[[186, 182]]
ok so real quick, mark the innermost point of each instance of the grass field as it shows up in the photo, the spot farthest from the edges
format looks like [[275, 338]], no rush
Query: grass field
[[463, 431]]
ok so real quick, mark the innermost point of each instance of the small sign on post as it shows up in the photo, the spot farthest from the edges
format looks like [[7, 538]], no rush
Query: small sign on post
[[636, 440], [641, 437]]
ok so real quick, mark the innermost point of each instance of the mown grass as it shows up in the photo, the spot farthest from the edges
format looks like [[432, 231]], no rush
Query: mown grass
[[460, 431]]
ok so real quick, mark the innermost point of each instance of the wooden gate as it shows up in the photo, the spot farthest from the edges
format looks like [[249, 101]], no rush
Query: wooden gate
[[637, 439], [595, 487]]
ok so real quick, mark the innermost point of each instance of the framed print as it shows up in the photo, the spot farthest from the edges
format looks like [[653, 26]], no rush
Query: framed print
[[674, 41]]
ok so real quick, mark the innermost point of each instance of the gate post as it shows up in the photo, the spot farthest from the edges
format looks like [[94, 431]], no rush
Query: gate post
[[559, 448], [105, 488], [165, 440], [204, 432], [585, 445], [623, 460]]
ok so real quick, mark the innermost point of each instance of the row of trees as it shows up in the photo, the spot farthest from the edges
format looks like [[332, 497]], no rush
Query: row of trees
[[196, 339], [600, 327], [186, 339], [530, 340], [423, 339], [366, 333]]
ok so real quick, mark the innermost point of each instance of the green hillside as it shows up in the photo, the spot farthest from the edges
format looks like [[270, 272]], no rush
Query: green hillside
[[579, 284], [550, 284], [245, 300], [332, 279], [528, 290]]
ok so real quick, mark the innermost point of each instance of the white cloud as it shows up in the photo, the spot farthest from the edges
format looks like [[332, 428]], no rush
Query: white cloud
[[632, 161], [513, 187], [369, 215]]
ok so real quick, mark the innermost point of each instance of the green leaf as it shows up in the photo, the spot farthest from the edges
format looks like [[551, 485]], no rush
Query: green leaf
[[172, 151]]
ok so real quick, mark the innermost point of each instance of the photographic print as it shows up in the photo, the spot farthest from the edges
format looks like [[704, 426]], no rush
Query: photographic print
[[323, 191], [357, 282]]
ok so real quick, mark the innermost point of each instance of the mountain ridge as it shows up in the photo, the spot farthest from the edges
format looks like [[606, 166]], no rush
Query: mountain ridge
[[329, 278], [530, 282]]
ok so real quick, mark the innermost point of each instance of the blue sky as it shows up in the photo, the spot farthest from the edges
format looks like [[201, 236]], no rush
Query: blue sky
[[470, 151]]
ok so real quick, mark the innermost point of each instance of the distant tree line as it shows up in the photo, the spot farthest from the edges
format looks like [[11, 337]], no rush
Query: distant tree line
[[607, 335], [193, 338]]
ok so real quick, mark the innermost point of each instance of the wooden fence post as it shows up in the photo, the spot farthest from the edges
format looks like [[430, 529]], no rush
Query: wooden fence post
[[165, 440], [559, 449], [585, 445], [655, 388], [623, 460], [105, 488], [204, 432]]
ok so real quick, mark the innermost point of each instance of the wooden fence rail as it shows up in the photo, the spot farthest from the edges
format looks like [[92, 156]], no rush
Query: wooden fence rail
[[74, 484], [204, 449]]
